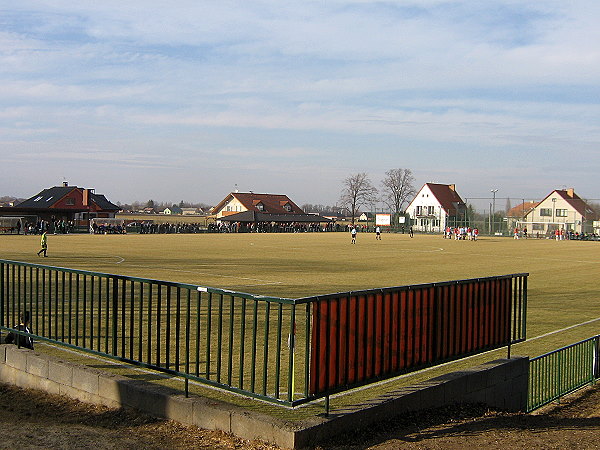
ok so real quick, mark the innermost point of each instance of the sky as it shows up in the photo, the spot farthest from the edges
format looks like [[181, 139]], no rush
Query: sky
[[190, 100]]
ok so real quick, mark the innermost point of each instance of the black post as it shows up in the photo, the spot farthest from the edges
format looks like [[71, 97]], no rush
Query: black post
[[115, 310]]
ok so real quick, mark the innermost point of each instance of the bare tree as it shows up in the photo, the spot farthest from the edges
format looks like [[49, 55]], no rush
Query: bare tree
[[398, 188], [357, 191]]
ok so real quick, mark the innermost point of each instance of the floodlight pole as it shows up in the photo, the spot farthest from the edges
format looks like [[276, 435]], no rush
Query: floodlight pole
[[493, 191]]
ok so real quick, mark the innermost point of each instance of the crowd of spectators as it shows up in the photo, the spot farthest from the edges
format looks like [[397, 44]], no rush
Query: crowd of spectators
[[53, 226]]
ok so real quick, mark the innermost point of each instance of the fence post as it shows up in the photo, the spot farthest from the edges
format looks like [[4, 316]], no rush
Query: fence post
[[597, 357], [1, 294], [115, 310]]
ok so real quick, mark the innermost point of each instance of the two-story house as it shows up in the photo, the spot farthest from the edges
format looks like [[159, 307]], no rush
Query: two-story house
[[561, 209], [436, 206]]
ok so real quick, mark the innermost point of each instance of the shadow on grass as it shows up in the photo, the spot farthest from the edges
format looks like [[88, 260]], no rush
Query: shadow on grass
[[467, 421]]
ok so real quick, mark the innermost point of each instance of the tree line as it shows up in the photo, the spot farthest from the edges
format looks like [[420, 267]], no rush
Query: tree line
[[397, 189]]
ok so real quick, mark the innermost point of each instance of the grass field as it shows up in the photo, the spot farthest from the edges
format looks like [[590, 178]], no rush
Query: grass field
[[563, 293]]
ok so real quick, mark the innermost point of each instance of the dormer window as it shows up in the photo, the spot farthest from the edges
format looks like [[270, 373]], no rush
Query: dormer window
[[70, 202], [260, 206], [287, 207]]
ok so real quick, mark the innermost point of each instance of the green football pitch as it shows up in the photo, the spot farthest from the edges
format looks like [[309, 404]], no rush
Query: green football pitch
[[563, 288]]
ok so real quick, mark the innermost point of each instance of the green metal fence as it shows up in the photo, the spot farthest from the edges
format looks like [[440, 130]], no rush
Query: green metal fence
[[563, 371], [255, 345]]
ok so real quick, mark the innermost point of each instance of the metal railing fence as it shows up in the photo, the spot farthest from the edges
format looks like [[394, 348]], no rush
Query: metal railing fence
[[562, 371], [258, 346]]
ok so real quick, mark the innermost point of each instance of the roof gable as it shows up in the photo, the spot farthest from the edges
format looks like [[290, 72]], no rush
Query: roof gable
[[55, 198], [521, 210], [570, 197], [271, 203], [445, 194]]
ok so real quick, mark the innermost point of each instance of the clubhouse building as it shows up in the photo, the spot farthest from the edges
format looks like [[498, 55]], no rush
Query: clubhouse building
[[62, 204], [249, 211]]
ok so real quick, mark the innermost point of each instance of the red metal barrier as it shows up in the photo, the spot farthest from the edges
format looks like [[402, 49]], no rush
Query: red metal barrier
[[364, 336]]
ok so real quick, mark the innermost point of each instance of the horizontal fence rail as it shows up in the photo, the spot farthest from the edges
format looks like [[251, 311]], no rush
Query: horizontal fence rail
[[562, 371], [285, 351]]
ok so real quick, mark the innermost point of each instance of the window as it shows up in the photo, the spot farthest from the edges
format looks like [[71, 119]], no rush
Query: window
[[431, 210], [546, 212], [418, 210], [287, 207], [260, 206], [38, 199], [561, 213], [70, 202]]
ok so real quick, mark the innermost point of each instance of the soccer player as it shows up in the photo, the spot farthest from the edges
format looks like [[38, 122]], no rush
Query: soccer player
[[44, 244]]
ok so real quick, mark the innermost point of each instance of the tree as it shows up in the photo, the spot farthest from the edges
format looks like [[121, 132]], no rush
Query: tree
[[357, 191], [398, 188]]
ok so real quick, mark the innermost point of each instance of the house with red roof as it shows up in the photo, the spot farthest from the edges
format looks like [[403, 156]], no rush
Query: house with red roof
[[237, 202], [515, 216], [66, 202], [255, 210], [562, 209], [436, 206]]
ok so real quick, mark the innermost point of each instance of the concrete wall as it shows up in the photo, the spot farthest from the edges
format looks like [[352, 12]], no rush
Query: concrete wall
[[500, 384]]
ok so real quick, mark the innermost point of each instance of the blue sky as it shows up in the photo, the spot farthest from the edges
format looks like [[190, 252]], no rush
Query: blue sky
[[185, 100]]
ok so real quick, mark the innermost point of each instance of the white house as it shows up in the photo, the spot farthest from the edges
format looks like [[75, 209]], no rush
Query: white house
[[435, 206], [561, 209]]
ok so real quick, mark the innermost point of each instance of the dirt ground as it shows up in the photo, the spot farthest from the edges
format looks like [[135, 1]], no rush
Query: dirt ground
[[33, 419]]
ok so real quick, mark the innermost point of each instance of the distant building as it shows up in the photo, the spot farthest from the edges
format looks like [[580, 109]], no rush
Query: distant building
[[517, 214], [257, 211], [237, 202], [561, 209], [191, 211], [436, 206], [69, 203], [173, 210]]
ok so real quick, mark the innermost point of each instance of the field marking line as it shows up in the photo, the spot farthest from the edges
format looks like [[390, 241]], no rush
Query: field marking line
[[435, 249], [563, 329], [210, 274]]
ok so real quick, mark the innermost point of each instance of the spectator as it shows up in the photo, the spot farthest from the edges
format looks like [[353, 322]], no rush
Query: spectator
[[21, 341]]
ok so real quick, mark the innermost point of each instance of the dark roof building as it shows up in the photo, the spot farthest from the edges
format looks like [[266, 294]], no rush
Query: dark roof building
[[64, 203]]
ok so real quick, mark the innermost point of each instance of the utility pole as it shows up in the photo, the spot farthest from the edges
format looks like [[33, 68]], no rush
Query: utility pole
[[493, 191]]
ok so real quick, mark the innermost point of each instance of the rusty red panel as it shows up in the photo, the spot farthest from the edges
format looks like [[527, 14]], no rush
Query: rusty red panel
[[395, 331], [352, 340], [364, 336]]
